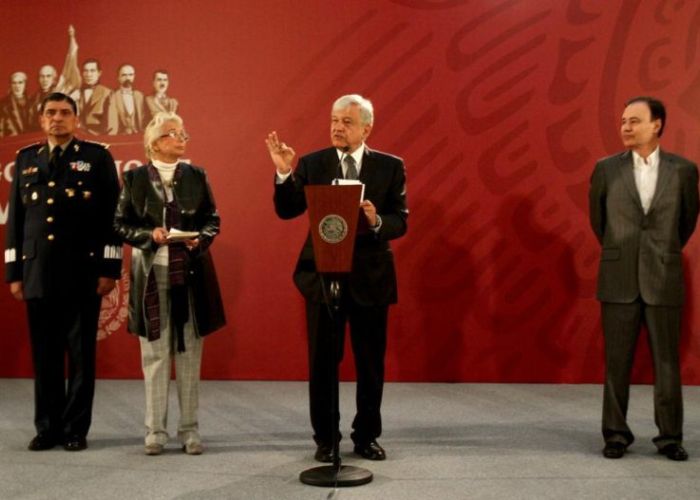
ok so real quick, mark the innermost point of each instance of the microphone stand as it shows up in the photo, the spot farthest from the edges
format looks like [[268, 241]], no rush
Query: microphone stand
[[335, 475]]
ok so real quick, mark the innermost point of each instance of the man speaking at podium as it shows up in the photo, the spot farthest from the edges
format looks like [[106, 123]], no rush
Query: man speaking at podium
[[369, 288]]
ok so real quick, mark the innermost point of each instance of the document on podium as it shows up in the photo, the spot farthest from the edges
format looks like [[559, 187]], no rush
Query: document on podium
[[177, 235], [350, 182]]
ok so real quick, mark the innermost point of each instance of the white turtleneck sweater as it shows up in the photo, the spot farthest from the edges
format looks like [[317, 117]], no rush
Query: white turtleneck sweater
[[166, 172]]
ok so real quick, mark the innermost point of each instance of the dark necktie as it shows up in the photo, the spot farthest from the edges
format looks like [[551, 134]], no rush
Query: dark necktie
[[351, 169], [53, 158]]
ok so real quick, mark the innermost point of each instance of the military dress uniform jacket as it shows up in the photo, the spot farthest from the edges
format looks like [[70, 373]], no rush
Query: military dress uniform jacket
[[372, 281], [59, 230], [641, 253], [140, 210]]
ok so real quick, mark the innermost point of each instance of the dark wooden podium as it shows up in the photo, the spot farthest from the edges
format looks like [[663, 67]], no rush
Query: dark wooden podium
[[334, 213], [333, 218]]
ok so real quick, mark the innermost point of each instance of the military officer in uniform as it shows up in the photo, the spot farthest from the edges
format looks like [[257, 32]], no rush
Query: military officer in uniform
[[61, 257]]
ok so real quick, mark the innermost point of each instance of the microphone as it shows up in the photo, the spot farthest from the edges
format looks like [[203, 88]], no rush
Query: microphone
[[339, 169]]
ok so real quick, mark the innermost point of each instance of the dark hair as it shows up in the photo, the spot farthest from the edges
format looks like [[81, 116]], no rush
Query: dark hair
[[163, 71], [657, 108], [92, 60], [58, 97]]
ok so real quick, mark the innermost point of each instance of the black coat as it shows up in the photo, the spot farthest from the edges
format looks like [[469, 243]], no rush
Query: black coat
[[372, 281], [59, 235], [140, 210]]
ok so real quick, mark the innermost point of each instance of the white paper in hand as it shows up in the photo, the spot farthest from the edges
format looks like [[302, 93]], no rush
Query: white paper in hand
[[177, 235]]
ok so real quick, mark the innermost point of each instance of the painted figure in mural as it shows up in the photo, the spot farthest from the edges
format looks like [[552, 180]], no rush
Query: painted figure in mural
[[643, 209], [92, 98], [125, 110], [61, 257], [160, 100], [15, 108], [48, 78], [369, 288], [174, 299]]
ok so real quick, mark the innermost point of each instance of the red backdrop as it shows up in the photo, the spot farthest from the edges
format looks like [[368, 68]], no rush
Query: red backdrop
[[499, 109]]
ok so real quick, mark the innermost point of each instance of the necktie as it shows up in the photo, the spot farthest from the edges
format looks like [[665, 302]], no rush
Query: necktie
[[351, 170], [53, 158]]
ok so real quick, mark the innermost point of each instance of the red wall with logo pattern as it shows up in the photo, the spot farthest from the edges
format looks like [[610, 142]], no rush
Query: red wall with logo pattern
[[499, 109]]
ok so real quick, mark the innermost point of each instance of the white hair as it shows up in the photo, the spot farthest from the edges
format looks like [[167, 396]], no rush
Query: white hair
[[154, 130], [365, 105]]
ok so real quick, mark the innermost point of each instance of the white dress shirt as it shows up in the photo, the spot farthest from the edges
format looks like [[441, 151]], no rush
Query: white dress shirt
[[646, 172]]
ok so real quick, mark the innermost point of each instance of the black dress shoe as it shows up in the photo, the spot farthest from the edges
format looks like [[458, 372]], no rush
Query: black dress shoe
[[42, 442], [324, 453], [370, 450], [675, 452], [75, 443], [614, 449]]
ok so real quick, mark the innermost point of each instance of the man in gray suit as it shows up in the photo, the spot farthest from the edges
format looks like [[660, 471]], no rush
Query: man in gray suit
[[643, 209]]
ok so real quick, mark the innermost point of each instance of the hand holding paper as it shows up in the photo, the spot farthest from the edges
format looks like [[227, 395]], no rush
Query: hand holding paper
[[177, 235]]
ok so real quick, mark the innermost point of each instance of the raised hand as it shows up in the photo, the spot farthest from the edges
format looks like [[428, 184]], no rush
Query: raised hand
[[281, 154]]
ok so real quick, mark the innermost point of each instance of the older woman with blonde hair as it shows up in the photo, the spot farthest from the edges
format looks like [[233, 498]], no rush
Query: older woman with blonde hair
[[166, 212]]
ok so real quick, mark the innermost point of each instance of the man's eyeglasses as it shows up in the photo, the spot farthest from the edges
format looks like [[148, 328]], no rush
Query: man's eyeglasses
[[183, 136]]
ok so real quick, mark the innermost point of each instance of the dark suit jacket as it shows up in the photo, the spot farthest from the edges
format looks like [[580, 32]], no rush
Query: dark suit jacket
[[140, 210], [372, 281], [59, 229], [641, 254]]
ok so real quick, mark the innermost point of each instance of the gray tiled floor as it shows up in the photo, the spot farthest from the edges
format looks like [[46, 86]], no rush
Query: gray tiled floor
[[444, 441]]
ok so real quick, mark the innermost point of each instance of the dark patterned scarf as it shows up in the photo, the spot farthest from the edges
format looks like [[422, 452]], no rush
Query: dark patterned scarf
[[178, 260]]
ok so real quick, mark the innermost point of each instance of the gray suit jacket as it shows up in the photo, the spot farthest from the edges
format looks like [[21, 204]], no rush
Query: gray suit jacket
[[641, 254]]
